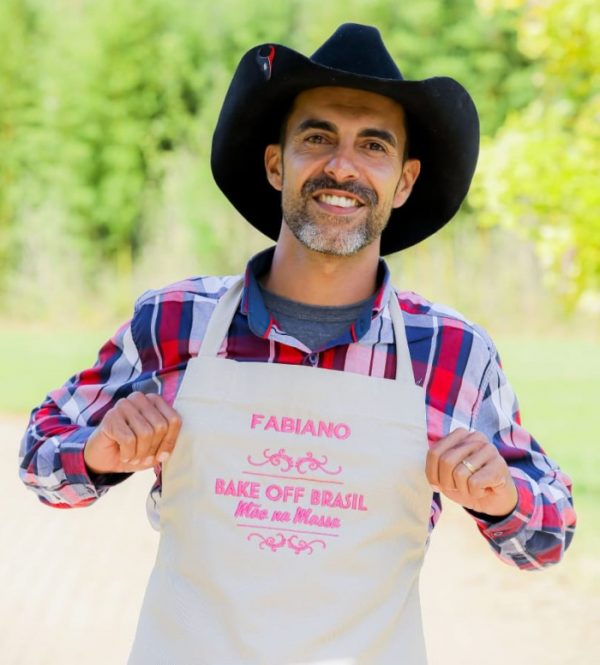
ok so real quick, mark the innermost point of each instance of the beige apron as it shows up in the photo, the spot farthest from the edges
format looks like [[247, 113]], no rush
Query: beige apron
[[293, 516]]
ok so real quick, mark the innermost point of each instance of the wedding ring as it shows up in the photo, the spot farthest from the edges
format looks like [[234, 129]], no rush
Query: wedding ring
[[469, 466]]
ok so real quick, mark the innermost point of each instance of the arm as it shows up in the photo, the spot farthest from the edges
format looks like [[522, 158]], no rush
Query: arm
[[540, 528], [94, 431], [51, 454], [519, 498]]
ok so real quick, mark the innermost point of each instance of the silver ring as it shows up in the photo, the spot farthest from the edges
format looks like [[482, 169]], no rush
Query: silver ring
[[469, 466]]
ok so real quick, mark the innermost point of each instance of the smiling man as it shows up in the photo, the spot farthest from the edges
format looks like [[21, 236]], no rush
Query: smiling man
[[303, 420], [345, 166]]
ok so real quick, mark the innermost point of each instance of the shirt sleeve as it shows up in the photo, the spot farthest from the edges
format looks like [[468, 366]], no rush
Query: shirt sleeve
[[51, 453], [539, 530]]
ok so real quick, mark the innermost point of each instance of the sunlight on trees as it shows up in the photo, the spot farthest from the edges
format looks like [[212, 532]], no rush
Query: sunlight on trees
[[107, 110], [539, 175]]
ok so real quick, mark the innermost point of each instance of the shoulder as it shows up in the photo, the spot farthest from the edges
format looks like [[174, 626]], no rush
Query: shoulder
[[445, 326], [207, 288], [176, 315]]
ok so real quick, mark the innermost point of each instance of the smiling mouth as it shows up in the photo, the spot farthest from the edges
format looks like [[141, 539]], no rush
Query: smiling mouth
[[338, 201]]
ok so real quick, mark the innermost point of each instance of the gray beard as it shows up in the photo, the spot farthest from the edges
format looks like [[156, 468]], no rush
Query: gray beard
[[333, 238], [342, 243]]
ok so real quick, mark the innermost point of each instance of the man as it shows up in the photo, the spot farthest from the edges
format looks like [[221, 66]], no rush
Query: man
[[303, 428]]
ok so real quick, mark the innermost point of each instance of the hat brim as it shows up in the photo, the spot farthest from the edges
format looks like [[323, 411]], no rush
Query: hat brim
[[444, 135]]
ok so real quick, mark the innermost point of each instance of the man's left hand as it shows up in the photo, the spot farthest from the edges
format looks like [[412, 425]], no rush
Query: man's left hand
[[469, 470]]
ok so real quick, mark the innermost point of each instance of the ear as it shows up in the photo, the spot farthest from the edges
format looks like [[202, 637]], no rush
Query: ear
[[274, 166], [410, 172]]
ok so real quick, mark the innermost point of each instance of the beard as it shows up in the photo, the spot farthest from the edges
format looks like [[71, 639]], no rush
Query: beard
[[330, 234]]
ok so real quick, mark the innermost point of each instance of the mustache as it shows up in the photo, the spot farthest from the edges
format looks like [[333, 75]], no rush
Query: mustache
[[324, 182]]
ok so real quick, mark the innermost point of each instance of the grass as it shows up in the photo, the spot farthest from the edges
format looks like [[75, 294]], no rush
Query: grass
[[34, 360], [558, 384], [557, 381]]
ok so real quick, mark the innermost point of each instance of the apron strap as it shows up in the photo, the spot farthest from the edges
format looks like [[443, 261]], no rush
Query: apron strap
[[223, 314], [404, 371], [220, 319]]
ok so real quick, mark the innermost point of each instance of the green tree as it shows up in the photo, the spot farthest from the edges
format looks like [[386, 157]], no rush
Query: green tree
[[18, 34], [539, 175], [107, 111]]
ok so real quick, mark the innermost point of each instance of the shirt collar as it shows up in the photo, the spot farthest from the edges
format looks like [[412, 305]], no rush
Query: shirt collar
[[261, 322]]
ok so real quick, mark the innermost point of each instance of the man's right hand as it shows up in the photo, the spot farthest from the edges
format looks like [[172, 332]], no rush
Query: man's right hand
[[137, 433]]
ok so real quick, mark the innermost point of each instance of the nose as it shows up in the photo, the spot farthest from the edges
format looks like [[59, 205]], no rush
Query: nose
[[341, 166]]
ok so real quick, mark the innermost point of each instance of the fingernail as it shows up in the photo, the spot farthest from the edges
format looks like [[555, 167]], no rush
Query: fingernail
[[125, 460], [149, 460], [163, 457], [436, 488], [135, 460]]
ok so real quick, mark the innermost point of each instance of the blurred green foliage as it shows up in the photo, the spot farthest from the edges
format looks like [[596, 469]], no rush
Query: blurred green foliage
[[107, 111], [539, 174]]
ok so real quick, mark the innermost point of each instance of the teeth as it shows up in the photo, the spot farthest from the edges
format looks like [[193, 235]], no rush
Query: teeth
[[340, 201]]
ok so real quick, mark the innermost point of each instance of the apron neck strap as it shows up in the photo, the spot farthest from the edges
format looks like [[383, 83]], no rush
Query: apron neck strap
[[404, 371], [221, 318]]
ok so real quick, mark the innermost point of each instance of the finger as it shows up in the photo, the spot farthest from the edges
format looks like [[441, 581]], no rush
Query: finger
[[141, 427], [115, 427], [437, 449], [476, 460], [151, 408], [173, 420], [439, 452], [451, 461], [491, 476], [165, 421]]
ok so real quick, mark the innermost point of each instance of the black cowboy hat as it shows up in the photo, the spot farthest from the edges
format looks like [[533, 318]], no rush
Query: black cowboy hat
[[441, 116]]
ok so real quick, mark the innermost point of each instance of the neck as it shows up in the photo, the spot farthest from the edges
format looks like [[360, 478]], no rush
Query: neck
[[314, 278]]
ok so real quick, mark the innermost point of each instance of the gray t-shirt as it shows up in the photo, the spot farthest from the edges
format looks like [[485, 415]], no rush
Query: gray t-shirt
[[313, 325]]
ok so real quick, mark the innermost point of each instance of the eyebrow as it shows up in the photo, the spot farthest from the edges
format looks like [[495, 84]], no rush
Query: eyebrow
[[369, 132], [382, 134]]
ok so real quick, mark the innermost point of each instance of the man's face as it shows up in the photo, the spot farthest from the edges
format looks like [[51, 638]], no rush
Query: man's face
[[341, 169]]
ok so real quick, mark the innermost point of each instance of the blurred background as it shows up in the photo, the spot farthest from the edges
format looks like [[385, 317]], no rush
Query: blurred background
[[106, 117]]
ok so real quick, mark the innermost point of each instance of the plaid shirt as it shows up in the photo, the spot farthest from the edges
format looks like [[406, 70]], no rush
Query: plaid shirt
[[453, 359]]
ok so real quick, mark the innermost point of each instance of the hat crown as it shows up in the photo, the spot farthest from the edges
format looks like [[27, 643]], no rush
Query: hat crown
[[358, 49], [444, 128]]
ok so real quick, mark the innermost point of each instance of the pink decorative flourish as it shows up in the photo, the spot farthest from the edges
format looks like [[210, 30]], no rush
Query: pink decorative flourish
[[298, 545], [302, 545], [287, 463], [270, 541], [275, 459], [313, 464]]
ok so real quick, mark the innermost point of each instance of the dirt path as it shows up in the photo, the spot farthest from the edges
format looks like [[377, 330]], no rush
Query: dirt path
[[72, 583]]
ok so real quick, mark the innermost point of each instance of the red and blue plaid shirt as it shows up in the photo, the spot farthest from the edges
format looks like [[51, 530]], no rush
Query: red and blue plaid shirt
[[453, 359]]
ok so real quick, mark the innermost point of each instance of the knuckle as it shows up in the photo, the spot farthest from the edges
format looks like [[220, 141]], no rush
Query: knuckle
[[128, 440], [465, 444], [119, 405], [145, 430], [434, 455], [174, 419], [460, 433], [461, 471], [478, 437], [161, 427], [449, 457]]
